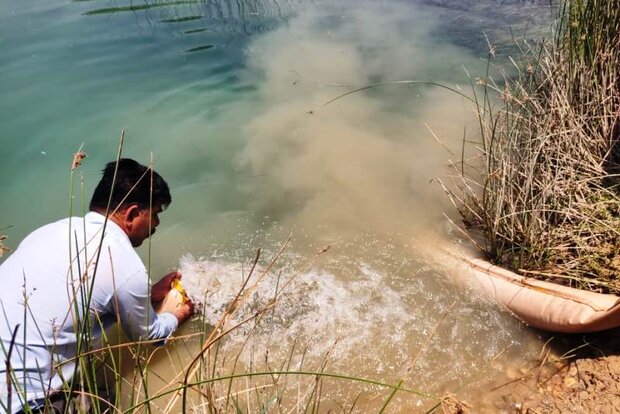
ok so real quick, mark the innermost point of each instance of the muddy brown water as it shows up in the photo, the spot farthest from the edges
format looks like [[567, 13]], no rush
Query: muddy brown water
[[229, 97]]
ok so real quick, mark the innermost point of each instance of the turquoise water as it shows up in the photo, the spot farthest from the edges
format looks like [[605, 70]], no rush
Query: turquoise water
[[186, 81], [71, 78], [226, 98]]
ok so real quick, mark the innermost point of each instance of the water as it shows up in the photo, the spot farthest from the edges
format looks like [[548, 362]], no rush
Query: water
[[226, 97]]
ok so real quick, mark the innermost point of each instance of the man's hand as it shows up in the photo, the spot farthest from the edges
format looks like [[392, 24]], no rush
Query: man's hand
[[160, 289], [184, 312]]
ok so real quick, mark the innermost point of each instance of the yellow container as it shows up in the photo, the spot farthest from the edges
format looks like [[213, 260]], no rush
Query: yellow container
[[175, 298], [176, 285]]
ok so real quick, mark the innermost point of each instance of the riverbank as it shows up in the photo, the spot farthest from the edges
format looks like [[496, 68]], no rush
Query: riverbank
[[571, 373], [588, 386], [576, 374]]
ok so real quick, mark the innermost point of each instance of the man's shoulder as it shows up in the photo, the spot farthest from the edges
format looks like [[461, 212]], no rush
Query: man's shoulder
[[92, 238], [88, 228], [52, 231], [115, 246]]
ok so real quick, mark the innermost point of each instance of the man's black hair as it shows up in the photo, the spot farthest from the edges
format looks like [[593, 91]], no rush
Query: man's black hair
[[132, 186]]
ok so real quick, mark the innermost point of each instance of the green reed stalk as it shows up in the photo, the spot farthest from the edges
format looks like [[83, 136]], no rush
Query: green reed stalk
[[391, 396], [83, 326], [298, 373]]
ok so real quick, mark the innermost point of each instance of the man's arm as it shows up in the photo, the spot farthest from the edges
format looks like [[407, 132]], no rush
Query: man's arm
[[139, 319], [161, 289]]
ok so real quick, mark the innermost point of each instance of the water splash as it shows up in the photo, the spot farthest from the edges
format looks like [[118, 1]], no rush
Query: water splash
[[375, 317]]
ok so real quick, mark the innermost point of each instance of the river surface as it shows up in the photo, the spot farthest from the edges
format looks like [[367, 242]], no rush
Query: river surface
[[228, 99]]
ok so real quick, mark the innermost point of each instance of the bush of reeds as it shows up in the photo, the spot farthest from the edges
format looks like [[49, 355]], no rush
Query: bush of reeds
[[543, 191]]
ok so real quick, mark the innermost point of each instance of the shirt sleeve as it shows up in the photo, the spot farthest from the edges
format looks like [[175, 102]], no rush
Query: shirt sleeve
[[138, 318]]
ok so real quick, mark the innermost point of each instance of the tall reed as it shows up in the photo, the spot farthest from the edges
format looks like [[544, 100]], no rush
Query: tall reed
[[544, 188]]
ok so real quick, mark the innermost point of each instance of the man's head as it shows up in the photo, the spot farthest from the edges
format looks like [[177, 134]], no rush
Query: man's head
[[135, 189]]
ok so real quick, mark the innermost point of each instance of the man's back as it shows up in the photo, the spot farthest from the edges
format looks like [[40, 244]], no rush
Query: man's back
[[47, 284], [65, 284]]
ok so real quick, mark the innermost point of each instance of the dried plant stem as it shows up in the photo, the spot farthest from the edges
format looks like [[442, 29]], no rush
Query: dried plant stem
[[546, 193]]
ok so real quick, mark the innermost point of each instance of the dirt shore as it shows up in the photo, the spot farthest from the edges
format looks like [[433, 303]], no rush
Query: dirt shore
[[576, 374]]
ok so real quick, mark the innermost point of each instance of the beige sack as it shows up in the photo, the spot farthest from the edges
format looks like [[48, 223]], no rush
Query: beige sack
[[547, 305]]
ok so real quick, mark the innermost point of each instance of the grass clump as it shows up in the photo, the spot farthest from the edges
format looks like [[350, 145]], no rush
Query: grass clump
[[3, 248], [545, 194]]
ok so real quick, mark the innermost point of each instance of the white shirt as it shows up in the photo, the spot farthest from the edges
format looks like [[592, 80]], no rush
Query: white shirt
[[37, 283]]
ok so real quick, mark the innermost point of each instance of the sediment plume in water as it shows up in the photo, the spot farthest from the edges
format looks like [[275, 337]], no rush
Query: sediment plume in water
[[357, 174], [364, 162]]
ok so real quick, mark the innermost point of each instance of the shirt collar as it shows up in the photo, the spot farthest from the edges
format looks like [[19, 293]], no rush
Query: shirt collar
[[111, 227]]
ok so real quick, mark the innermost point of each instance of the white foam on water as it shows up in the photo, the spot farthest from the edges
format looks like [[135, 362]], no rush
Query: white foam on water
[[408, 321], [314, 306]]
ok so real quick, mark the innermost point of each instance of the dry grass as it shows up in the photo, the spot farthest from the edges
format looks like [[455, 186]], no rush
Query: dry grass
[[3, 248], [544, 189]]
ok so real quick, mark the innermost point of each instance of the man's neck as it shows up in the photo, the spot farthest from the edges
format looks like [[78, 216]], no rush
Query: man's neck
[[112, 217]]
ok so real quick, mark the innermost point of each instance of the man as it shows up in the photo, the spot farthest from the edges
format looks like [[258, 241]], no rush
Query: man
[[70, 280]]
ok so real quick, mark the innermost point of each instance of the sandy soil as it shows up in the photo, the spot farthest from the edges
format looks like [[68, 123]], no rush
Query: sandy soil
[[589, 385], [576, 374]]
